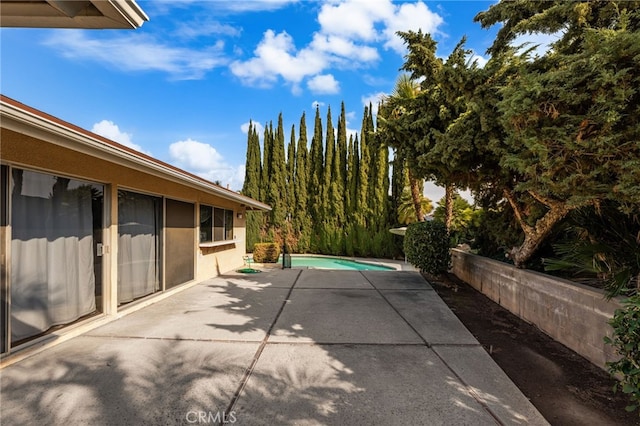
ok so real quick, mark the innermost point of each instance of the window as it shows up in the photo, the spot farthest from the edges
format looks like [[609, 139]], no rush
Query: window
[[228, 224], [216, 224], [206, 223]]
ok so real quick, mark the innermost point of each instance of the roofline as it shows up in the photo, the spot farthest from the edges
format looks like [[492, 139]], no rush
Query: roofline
[[21, 113], [129, 10], [113, 14]]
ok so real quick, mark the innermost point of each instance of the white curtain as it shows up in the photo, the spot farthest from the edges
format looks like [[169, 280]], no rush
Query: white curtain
[[52, 270], [138, 245]]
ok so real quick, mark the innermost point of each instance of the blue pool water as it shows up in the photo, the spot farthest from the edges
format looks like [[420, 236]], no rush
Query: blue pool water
[[334, 263]]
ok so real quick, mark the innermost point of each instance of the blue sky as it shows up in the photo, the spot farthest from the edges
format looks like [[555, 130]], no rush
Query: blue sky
[[184, 86]]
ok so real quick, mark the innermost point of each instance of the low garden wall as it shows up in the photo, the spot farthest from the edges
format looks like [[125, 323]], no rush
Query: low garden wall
[[573, 314]]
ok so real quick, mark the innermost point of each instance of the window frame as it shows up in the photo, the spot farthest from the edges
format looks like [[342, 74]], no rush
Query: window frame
[[207, 229]]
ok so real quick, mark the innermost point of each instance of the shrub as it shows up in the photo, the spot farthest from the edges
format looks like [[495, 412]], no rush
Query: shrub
[[626, 341], [426, 245], [266, 252]]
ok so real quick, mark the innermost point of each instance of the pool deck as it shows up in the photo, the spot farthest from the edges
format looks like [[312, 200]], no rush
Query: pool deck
[[295, 346]]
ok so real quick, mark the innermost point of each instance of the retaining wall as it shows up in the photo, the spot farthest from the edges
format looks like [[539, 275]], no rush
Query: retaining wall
[[573, 314]]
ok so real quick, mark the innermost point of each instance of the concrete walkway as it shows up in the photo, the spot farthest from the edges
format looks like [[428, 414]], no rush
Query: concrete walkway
[[305, 347]]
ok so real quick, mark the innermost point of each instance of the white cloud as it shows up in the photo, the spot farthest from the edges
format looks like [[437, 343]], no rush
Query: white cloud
[[216, 7], [250, 6], [480, 60], [205, 161], [110, 130], [325, 84], [354, 18], [409, 16], [206, 27], [341, 47], [350, 33], [275, 57], [374, 99], [259, 128], [139, 52], [317, 104]]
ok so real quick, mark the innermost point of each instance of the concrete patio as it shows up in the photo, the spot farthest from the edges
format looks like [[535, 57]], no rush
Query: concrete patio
[[305, 347]]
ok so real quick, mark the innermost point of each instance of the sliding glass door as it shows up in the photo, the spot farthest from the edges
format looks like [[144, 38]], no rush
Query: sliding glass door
[[4, 259], [139, 245], [53, 265]]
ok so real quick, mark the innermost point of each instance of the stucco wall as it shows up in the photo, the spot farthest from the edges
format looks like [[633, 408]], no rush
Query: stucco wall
[[29, 152], [573, 314]]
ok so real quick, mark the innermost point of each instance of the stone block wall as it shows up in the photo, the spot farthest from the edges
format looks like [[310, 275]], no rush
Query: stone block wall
[[573, 314]]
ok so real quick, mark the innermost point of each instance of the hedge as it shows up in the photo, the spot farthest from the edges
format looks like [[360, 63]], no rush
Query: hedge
[[266, 252], [426, 245]]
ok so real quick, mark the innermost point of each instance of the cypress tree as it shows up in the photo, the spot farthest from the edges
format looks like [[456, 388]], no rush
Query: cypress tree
[[337, 193], [399, 181], [340, 167], [316, 180], [330, 144], [352, 175], [380, 178], [290, 237], [301, 220], [267, 144], [328, 228], [383, 242], [251, 187], [291, 171], [277, 183], [352, 210], [364, 172]]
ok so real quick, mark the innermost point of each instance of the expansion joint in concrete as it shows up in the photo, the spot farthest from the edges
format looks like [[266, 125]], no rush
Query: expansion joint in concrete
[[256, 357]]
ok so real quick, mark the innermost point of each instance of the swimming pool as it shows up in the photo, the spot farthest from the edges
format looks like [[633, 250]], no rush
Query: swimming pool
[[319, 262]]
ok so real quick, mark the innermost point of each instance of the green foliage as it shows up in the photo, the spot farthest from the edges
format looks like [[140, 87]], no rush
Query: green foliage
[[267, 142], [495, 233], [426, 245], [266, 252], [277, 180], [253, 224], [322, 191], [466, 218], [567, 116], [406, 212], [300, 212], [626, 341], [602, 243], [251, 187]]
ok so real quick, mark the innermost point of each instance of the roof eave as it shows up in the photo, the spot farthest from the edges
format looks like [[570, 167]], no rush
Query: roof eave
[[94, 14], [13, 111]]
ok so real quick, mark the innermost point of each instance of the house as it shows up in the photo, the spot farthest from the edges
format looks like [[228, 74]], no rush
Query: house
[[90, 227]]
